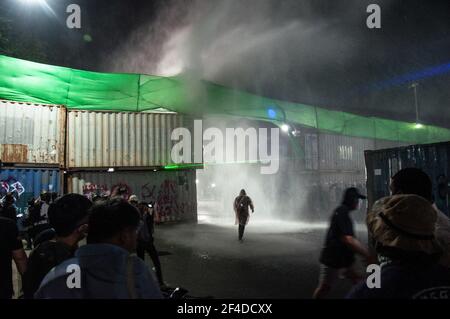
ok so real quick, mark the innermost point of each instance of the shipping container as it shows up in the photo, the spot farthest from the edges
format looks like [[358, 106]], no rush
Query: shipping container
[[32, 133], [339, 152], [431, 158], [174, 192], [27, 183], [121, 139], [331, 152]]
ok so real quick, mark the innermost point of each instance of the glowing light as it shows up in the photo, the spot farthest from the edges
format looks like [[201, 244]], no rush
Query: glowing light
[[32, 1], [183, 166], [196, 181], [285, 128], [213, 185], [295, 133], [87, 38], [111, 170], [271, 113], [418, 126]]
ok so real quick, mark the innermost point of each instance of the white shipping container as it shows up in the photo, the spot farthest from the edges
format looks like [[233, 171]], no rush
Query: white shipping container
[[121, 139], [32, 133]]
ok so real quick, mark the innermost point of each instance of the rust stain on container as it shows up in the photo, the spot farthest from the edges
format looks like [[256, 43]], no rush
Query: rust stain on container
[[14, 153]]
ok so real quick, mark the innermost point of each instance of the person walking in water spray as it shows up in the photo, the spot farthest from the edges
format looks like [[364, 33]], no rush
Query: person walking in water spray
[[241, 205], [338, 255]]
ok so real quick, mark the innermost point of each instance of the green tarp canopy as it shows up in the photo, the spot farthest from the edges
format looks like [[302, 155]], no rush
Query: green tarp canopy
[[26, 81]]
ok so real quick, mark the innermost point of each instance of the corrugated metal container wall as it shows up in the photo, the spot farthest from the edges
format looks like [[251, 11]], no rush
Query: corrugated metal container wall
[[431, 158], [338, 152], [32, 133], [27, 183], [384, 144], [105, 139], [175, 192]]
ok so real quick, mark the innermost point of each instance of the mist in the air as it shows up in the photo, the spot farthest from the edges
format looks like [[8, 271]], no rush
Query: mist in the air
[[248, 45]]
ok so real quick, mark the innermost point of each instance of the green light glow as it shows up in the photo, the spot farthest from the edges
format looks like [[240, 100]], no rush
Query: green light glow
[[182, 166]]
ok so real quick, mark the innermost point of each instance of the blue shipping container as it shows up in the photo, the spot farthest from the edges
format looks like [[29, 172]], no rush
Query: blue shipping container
[[433, 159], [26, 183]]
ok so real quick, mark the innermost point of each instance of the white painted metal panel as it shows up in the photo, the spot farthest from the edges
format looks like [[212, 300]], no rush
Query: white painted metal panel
[[32, 133], [124, 139]]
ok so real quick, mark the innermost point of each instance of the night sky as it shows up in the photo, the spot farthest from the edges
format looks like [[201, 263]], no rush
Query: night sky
[[341, 65]]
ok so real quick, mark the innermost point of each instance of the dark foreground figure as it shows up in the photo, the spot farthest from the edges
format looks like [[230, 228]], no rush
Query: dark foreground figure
[[241, 205], [145, 238], [338, 255], [403, 230], [107, 267], [68, 217]]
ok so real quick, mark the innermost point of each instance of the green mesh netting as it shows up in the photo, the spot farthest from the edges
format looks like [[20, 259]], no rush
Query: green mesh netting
[[40, 83]]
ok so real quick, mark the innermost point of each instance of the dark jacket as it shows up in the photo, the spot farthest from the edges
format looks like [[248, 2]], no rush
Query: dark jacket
[[400, 280], [335, 253], [107, 272], [42, 259], [241, 205]]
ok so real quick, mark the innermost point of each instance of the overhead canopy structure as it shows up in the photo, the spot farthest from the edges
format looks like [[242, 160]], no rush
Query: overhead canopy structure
[[27, 81]]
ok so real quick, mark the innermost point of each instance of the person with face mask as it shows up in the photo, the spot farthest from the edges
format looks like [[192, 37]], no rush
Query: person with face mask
[[338, 255], [68, 218]]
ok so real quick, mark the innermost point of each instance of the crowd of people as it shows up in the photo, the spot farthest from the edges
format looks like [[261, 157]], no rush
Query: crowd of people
[[409, 239], [105, 267]]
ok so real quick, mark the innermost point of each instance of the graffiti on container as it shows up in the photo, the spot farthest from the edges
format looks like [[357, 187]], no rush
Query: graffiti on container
[[90, 190], [148, 192], [11, 185], [165, 198]]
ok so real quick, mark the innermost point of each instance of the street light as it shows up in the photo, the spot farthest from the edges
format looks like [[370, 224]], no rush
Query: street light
[[285, 128], [414, 87]]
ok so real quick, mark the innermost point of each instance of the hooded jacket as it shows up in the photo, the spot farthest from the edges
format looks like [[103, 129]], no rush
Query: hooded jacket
[[106, 272]]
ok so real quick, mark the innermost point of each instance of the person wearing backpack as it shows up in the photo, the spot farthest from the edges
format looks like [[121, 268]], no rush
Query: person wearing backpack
[[241, 205]]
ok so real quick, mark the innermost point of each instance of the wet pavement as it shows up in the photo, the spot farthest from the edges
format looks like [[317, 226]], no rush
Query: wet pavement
[[276, 259]]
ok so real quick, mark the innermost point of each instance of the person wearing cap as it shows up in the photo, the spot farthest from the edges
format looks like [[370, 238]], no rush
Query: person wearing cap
[[403, 230], [338, 255]]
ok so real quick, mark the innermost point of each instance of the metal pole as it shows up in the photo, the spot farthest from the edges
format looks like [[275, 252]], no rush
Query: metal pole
[[414, 86]]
